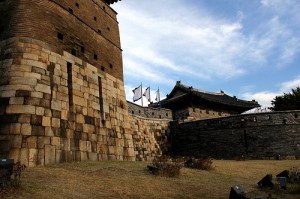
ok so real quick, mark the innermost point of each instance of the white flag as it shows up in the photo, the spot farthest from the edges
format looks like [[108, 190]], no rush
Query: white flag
[[137, 93], [147, 94], [157, 96]]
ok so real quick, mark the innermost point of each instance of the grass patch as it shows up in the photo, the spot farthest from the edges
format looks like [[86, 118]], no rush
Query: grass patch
[[110, 179]]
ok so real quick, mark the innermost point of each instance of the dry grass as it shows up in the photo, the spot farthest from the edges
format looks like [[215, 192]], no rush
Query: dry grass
[[132, 180]]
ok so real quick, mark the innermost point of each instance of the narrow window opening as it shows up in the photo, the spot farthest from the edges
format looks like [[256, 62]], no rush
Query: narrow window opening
[[99, 31], [167, 114], [284, 121], [77, 5], [95, 56], [70, 85], [103, 7], [132, 112], [296, 115], [159, 116], [108, 28], [102, 68], [110, 66], [139, 111], [100, 94], [71, 10], [60, 36], [73, 52], [82, 49], [95, 18], [152, 113]]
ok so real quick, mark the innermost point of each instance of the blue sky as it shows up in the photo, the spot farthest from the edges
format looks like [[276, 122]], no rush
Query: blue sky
[[247, 48]]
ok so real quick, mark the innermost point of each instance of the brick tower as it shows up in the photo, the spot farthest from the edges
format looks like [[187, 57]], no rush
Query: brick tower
[[61, 82]]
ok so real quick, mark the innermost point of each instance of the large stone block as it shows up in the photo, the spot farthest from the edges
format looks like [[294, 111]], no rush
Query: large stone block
[[93, 156], [15, 128], [14, 154], [50, 156], [31, 142], [55, 141], [24, 156], [26, 129], [41, 157], [56, 105], [79, 101], [46, 121], [65, 144], [16, 100], [58, 156], [33, 157], [43, 88], [55, 123], [23, 109], [82, 145], [16, 141], [42, 141]]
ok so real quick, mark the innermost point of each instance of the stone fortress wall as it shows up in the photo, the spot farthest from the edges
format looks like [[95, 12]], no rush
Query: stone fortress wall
[[196, 113], [150, 130], [61, 83], [262, 135], [148, 112], [62, 96]]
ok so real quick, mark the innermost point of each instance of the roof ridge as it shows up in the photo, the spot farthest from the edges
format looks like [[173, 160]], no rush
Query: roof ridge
[[195, 89]]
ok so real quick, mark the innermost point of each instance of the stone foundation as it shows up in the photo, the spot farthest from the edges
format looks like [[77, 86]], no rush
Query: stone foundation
[[55, 107], [150, 137]]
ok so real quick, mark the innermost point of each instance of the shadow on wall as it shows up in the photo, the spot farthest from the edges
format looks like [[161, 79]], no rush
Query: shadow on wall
[[263, 135]]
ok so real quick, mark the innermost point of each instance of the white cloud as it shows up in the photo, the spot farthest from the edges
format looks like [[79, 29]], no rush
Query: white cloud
[[162, 45], [264, 98], [191, 41], [287, 86], [200, 45]]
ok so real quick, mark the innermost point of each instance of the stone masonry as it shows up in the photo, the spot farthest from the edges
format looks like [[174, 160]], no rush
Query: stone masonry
[[58, 108], [62, 96], [262, 135]]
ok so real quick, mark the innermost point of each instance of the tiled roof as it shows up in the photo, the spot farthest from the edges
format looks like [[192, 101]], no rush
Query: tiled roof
[[181, 93], [221, 97]]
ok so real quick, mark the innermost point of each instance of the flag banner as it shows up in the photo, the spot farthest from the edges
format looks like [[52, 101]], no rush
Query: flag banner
[[147, 94], [157, 96], [137, 93]]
